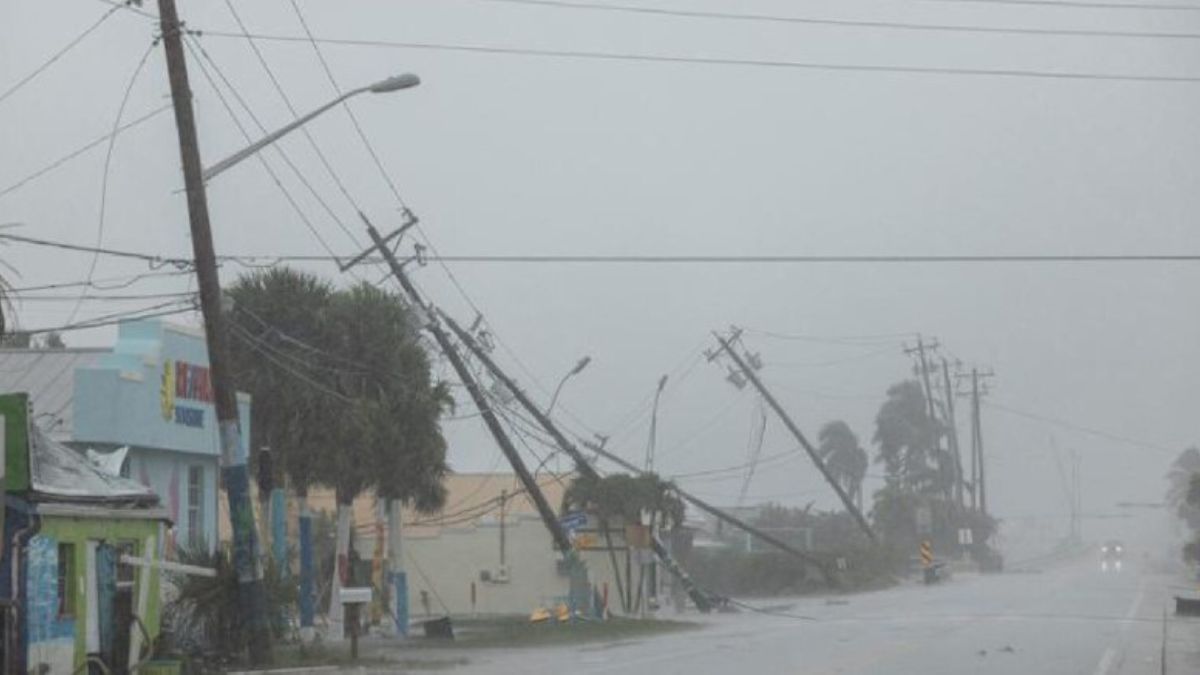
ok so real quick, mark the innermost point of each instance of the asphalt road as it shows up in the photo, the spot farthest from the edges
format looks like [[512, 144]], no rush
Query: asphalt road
[[1066, 619]]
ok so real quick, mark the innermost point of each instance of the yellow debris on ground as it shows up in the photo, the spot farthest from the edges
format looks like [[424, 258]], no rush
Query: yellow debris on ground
[[540, 614]]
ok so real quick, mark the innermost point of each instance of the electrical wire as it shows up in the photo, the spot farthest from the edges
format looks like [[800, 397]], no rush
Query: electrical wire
[[112, 141], [1079, 428], [153, 260], [383, 172], [110, 319], [57, 55], [296, 115], [1170, 7], [194, 46], [723, 61], [117, 282], [83, 149], [846, 23]]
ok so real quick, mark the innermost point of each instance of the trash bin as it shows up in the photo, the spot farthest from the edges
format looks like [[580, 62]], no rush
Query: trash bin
[[440, 629]]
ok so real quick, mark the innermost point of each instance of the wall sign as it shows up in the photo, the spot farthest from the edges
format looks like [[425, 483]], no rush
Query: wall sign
[[184, 382]]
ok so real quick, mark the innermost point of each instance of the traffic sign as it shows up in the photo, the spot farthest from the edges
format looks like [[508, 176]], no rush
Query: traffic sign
[[573, 521], [926, 553]]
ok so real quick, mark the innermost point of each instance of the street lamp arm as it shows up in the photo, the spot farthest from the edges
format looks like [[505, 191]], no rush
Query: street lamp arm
[[249, 150]]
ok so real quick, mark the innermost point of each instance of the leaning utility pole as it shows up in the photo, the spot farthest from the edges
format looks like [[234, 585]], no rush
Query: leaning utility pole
[[251, 593], [787, 422], [923, 364], [952, 428], [557, 531], [699, 597]]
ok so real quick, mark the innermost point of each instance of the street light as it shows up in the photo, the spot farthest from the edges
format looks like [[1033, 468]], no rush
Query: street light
[[583, 363], [394, 83], [662, 383]]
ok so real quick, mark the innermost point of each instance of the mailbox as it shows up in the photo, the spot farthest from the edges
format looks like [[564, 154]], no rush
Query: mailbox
[[353, 595]]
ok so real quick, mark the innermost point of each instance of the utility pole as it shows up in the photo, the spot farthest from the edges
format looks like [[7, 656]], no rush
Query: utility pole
[[752, 377], [700, 598], [978, 475], [952, 427], [557, 531], [923, 365], [234, 474]]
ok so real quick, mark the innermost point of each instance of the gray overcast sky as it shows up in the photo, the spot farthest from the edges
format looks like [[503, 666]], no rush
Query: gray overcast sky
[[531, 155]]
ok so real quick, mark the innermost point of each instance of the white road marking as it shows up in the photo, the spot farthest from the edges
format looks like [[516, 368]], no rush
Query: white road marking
[[1110, 654], [1106, 661]]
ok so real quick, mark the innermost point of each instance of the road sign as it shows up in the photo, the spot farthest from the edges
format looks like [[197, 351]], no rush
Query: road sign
[[965, 536], [573, 521], [926, 553]]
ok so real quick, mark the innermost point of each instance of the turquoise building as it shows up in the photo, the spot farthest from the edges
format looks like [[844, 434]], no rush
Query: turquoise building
[[148, 397]]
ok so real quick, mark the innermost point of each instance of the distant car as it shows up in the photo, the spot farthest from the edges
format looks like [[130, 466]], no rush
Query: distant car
[[1111, 555]]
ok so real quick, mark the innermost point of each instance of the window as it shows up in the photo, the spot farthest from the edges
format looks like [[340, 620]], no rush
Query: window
[[66, 580], [195, 507]]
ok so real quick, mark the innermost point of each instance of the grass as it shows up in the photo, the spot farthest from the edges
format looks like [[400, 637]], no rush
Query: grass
[[518, 631]]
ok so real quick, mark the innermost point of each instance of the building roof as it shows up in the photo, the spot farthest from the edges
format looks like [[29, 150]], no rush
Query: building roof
[[58, 473], [48, 375]]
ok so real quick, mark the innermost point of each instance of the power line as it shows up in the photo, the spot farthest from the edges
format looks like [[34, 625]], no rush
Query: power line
[[848, 23], [81, 150], [1079, 4], [787, 259], [262, 160], [850, 340], [154, 260], [111, 319], [720, 61], [296, 115], [1076, 427], [57, 55], [118, 282], [346, 106], [112, 142]]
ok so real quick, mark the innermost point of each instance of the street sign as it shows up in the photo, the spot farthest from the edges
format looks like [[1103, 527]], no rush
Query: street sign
[[965, 537], [573, 521], [926, 553]]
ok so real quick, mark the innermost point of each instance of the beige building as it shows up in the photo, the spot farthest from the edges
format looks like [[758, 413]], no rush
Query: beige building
[[476, 556]]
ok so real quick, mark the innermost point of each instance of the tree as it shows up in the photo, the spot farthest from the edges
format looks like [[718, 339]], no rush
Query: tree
[[846, 460], [343, 394], [389, 437], [908, 442], [280, 316]]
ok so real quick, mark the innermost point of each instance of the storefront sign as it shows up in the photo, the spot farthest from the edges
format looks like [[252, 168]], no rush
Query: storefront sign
[[185, 382]]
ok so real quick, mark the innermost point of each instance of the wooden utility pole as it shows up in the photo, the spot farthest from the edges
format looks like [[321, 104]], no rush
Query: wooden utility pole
[[234, 474], [791, 426], [952, 430], [703, 602], [923, 365], [978, 474], [561, 541]]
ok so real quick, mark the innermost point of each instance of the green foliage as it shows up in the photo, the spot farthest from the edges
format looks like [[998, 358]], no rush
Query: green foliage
[[846, 460], [625, 497], [204, 616], [1183, 497], [274, 311], [908, 441], [343, 391]]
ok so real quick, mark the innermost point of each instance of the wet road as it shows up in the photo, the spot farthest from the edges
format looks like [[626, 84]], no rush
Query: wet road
[[1066, 619]]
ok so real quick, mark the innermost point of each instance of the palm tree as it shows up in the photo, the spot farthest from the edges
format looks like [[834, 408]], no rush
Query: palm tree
[[908, 441], [845, 459]]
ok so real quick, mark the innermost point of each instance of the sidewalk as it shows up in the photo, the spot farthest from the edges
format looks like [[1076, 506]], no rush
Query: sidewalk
[[1181, 645]]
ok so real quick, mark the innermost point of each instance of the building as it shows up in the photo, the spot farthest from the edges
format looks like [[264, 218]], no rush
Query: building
[[149, 393], [81, 553]]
